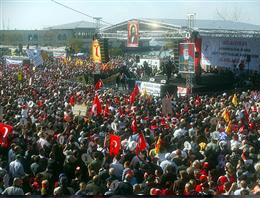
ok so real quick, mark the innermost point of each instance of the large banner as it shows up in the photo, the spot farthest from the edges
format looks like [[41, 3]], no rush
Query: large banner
[[96, 55], [187, 58], [230, 52], [151, 88], [133, 34]]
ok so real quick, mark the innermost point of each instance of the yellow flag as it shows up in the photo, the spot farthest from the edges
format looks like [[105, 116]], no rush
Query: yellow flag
[[226, 116], [145, 94], [234, 100], [229, 128], [20, 76], [158, 145], [96, 55]]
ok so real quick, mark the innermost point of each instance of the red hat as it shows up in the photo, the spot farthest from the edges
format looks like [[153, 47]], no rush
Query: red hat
[[153, 127], [205, 165], [223, 179], [155, 191], [203, 178], [162, 122]]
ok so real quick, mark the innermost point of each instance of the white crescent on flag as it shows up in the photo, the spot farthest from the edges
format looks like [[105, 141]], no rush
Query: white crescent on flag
[[114, 143], [6, 132], [94, 109]]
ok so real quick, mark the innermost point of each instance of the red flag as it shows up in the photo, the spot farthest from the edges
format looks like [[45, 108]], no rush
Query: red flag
[[246, 115], [133, 95], [134, 126], [106, 111], [72, 100], [99, 84], [141, 142], [115, 144], [4, 131], [136, 90], [96, 106]]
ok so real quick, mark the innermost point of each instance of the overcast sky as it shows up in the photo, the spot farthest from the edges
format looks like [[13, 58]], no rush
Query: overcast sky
[[37, 14]]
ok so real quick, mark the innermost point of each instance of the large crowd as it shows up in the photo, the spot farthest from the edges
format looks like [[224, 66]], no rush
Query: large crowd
[[196, 145]]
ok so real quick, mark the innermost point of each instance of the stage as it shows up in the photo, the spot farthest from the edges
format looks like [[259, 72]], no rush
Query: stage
[[207, 82]]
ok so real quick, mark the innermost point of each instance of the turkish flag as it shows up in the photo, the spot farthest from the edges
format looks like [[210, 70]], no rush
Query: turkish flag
[[5, 130], [96, 106], [99, 84], [72, 100], [141, 142], [132, 97], [106, 111], [134, 93], [134, 126], [115, 144]]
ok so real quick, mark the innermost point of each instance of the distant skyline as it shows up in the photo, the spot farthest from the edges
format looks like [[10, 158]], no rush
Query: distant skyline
[[39, 14]]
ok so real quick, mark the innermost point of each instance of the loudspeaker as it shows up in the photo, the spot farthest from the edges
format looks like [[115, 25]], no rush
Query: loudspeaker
[[104, 50], [248, 58], [137, 59]]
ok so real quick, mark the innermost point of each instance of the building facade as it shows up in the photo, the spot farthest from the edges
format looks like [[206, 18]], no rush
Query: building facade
[[55, 36]]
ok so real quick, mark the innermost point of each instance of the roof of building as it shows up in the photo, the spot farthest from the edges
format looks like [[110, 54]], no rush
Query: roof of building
[[200, 24], [209, 24], [75, 25]]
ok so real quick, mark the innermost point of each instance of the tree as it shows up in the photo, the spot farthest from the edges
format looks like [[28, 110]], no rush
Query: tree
[[48, 37], [76, 44], [236, 14]]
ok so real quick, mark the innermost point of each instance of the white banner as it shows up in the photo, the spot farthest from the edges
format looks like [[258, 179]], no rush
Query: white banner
[[13, 62], [79, 110], [154, 63], [182, 91], [230, 52], [151, 88]]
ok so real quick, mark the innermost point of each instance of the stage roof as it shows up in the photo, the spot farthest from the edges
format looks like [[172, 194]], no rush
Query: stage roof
[[208, 24], [71, 26], [157, 23]]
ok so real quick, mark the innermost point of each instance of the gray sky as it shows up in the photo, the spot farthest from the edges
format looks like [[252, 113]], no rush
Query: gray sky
[[37, 14]]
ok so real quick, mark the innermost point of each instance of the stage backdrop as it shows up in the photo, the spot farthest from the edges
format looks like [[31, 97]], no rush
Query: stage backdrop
[[133, 34], [227, 52]]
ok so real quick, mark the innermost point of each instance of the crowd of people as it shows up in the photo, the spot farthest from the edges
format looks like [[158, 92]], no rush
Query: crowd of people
[[196, 145]]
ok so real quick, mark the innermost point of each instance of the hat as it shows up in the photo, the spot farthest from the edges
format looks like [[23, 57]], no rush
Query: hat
[[215, 135], [223, 179], [168, 156], [132, 145], [205, 165], [155, 191], [187, 145], [203, 178]]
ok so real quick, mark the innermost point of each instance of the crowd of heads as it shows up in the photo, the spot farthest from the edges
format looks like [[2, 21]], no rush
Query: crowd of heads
[[198, 145]]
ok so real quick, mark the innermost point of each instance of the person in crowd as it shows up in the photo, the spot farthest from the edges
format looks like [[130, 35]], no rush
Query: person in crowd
[[124, 143]]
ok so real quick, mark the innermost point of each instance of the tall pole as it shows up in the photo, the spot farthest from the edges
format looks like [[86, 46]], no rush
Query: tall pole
[[191, 24], [97, 21]]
